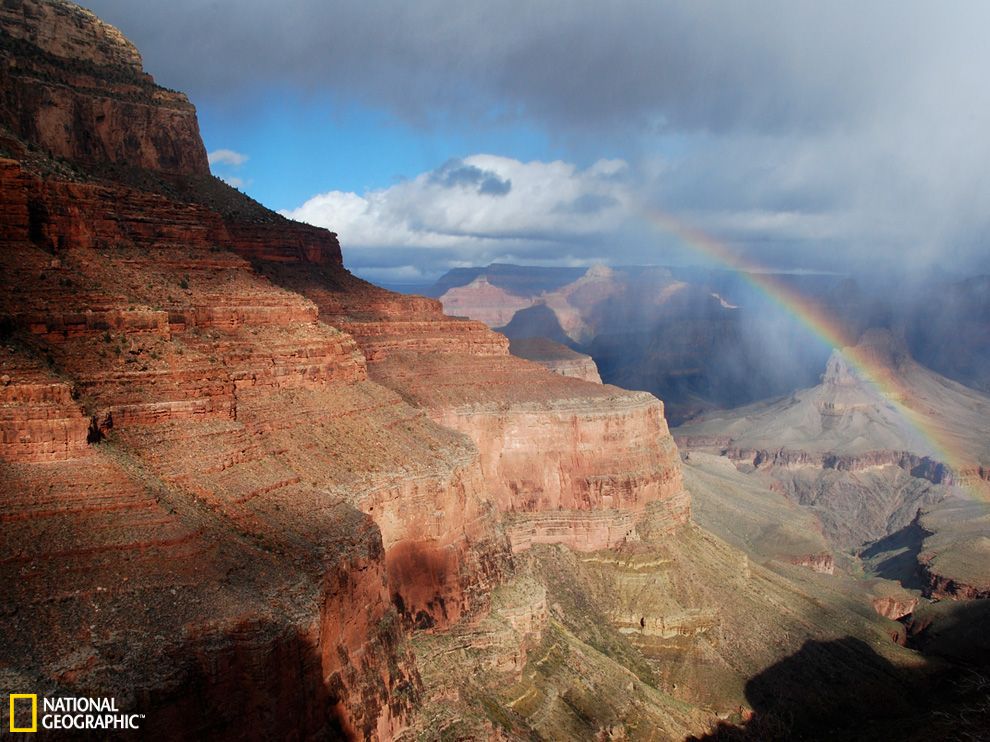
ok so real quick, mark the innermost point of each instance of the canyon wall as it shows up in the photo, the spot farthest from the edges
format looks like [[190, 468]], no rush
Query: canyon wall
[[483, 301], [918, 466], [58, 60], [567, 461], [875, 458], [232, 475], [250, 495], [598, 467]]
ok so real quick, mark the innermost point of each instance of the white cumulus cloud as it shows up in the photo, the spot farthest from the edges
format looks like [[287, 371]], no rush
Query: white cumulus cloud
[[480, 200]]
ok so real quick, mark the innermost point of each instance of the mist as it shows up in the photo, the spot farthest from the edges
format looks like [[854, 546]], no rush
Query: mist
[[709, 339]]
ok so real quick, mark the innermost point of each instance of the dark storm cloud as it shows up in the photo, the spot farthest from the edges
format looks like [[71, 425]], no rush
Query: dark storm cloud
[[707, 63], [456, 173], [844, 129]]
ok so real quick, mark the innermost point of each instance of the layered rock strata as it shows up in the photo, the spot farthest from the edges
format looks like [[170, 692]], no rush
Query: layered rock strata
[[955, 550], [755, 518], [232, 474], [567, 461], [922, 467]]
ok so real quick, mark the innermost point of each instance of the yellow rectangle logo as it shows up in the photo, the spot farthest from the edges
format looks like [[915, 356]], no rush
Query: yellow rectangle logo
[[34, 712]]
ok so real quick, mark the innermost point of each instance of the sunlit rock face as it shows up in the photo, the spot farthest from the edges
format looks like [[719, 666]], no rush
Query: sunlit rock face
[[192, 461], [575, 471], [568, 461]]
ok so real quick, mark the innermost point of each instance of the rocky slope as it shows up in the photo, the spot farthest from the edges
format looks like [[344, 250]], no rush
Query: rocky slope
[[564, 460], [847, 415], [484, 302], [764, 523], [520, 280], [599, 299], [653, 639], [58, 58]]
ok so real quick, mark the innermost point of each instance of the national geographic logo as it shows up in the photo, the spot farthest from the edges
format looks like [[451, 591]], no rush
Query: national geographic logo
[[17, 700], [68, 713]]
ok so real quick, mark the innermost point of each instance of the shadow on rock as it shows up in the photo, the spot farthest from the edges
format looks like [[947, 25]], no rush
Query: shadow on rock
[[260, 681], [844, 690], [895, 557]]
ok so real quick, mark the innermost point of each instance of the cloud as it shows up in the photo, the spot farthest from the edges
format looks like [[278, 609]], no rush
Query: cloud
[[479, 203], [220, 159], [227, 157], [559, 213], [553, 213], [796, 129], [766, 64]]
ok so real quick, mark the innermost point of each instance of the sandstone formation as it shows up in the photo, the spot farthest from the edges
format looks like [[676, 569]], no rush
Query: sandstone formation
[[598, 300], [666, 331], [520, 280], [57, 61], [602, 299], [567, 461], [895, 607]]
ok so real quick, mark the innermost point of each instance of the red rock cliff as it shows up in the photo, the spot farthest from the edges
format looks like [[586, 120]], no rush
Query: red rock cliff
[[566, 461], [232, 474], [73, 86]]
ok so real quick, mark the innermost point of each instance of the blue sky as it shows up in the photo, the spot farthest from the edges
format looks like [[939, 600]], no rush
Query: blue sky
[[836, 136], [298, 145]]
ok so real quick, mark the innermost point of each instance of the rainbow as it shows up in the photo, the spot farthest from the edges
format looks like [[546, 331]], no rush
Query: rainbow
[[945, 446]]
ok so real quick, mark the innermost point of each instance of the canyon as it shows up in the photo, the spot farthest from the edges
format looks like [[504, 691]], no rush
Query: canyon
[[251, 495], [707, 339], [843, 451]]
